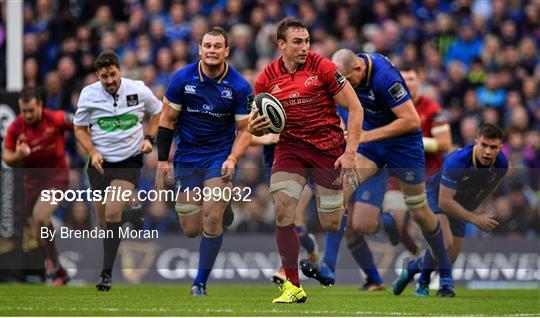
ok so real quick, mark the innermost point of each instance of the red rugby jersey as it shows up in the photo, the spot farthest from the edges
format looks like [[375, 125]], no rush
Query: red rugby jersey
[[45, 138], [431, 115], [307, 96]]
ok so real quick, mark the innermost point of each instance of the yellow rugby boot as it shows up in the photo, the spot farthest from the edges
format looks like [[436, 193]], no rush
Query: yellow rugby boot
[[291, 294]]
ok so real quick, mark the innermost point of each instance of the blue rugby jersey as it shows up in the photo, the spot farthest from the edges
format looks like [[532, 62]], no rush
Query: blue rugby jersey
[[382, 89], [472, 182], [209, 109]]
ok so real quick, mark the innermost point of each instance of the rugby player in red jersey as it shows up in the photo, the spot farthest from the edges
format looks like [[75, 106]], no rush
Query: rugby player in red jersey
[[36, 139], [435, 129], [312, 144]]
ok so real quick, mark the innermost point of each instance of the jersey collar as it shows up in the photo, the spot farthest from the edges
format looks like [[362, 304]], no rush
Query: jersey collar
[[283, 69], [219, 78], [369, 68], [475, 164]]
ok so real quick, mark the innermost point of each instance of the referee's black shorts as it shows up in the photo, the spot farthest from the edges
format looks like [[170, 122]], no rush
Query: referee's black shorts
[[128, 170]]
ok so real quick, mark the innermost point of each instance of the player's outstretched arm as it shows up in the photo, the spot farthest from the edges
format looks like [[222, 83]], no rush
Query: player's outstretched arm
[[165, 134], [450, 206]]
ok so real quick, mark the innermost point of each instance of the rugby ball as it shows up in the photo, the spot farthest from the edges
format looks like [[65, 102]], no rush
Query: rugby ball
[[269, 105]]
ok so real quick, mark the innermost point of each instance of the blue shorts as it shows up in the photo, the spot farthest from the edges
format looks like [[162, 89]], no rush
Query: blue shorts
[[457, 226], [373, 189], [403, 156], [194, 174]]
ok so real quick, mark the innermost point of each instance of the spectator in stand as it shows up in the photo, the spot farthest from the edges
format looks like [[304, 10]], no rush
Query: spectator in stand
[[467, 47], [130, 66], [31, 73], [457, 44], [491, 94]]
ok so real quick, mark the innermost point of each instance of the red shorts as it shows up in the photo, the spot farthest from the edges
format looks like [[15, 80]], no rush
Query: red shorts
[[34, 183], [309, 163]]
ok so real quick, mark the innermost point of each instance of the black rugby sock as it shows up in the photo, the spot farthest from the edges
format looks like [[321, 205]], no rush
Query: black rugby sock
[[110, 247]]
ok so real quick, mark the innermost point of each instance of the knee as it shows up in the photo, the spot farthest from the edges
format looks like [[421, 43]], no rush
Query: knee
[[350, 235], [283, 218], [448, 243], [281, 203], [331, 225], [366, 226], [191, 233], [212, 225], [425, 219], [453, 255], [285, 215], [113, 216], [191, 230]]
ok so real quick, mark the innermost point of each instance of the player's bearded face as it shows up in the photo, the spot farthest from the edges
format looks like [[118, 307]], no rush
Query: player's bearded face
[[487, 150], [213, 50], [297, 45], [110, 78], [31, 111]]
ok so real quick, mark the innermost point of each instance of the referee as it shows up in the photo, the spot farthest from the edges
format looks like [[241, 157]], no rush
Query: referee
[[108, 124]]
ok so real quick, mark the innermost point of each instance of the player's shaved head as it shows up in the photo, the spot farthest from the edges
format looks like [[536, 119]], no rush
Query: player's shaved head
[[345, 59], [350, 65]]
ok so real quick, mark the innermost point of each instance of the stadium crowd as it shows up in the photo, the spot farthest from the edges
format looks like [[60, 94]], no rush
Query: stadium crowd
[[476, 58]]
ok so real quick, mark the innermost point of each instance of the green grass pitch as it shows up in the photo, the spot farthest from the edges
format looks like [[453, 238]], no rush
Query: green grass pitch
[[255, 300]]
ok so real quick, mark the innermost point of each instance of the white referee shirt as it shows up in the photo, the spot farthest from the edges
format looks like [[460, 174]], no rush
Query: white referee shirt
[[116, 122]]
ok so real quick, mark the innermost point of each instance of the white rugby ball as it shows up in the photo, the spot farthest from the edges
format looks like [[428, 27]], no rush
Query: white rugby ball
[[269, 105]]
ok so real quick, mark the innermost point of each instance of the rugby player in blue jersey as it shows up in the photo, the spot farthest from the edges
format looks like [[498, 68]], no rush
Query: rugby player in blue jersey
[[207, 106], [467, 178], [392, 138]]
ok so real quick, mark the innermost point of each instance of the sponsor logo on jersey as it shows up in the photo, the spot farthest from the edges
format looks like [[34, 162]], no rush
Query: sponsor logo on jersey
[[301, 100], [207, 107], [340, 79], [276, 89], [122, 122], [312, 81], [294, 94], [132, 100], [207, 112], [226, 93], [397, 91], [190, 89], [371, 95]]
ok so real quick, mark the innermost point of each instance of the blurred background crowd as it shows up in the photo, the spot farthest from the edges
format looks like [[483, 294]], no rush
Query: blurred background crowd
[[477, 58]]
